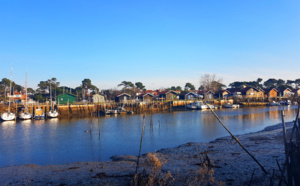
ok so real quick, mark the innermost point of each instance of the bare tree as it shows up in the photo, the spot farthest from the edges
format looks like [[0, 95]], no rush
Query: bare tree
[[211, 82]]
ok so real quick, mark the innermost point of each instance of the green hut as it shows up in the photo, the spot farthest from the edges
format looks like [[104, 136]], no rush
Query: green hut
[[64, 98]]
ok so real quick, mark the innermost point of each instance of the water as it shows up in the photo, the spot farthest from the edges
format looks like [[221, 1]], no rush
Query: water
[[66, 141]]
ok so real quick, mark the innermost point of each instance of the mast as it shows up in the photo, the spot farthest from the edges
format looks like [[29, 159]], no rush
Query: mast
[[26, 93], [9, 90], [50, 94]]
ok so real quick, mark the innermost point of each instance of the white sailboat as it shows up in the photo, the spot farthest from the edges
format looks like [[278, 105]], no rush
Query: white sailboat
[[8, 115], [53, 112], [25, 114]]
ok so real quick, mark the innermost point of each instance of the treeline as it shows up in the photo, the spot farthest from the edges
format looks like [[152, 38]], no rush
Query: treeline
[[207, 82], [270, 83]]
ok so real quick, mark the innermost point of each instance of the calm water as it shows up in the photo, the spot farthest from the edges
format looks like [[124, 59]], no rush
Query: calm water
[[65, 141]]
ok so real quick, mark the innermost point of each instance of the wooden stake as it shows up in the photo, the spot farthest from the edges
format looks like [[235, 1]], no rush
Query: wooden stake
[[141, 142], [236, 139]]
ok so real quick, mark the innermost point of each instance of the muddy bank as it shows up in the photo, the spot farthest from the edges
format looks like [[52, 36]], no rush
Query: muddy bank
[[231, 165]]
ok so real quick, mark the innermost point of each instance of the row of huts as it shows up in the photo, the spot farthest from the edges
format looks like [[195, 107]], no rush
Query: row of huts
[[230, 93], [149, 95]]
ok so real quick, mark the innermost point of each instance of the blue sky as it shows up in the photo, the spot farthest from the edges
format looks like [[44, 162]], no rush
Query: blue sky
[[160, 43]]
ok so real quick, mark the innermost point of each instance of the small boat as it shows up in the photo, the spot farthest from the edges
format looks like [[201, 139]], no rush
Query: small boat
[[24, 114], [274, 103], [53, 112], [229, 105], [111, 112], [201, 105], [286, 102], [192, 106], [39, 114], [8, 115]]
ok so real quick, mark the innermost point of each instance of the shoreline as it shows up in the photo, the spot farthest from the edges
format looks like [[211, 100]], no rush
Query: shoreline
[[230, 163]]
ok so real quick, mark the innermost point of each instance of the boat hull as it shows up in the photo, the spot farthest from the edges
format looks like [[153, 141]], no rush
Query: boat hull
[[24, 116], [8, 116], [52, 114]]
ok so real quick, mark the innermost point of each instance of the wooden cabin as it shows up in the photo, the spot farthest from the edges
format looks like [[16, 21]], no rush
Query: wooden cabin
[[97, 98], [222, 94], [271, 93], [123, 98], [146, 97], [190, 96], [207, 95], [286, 93], [66, 98], [168, 95], [296, 92]]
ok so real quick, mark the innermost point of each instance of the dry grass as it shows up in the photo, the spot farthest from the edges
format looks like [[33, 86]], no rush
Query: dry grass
[[152, 174]]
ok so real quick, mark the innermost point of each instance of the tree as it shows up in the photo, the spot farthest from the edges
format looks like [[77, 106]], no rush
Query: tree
[[297, 82], [39, 98], [211, 82], [126, 84], [236, 84], [88, 83], [30, 91], [139, 85], [270, 83], [189, 86]]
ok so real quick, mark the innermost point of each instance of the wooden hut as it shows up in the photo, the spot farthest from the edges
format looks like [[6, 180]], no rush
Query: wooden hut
[[123, 98], [66, 98]]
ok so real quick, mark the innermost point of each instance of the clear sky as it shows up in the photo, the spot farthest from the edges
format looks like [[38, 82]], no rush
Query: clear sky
[[160, 43]]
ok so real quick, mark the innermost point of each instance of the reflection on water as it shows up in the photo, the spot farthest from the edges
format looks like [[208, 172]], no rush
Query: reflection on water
[[57, 141]]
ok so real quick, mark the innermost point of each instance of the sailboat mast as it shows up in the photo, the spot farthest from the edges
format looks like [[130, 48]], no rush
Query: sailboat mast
[[50, 93], [26, 93], [9, 90]]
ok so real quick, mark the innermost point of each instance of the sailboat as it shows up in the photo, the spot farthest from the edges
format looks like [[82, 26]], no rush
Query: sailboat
[[8, 115], [25, 114], [53, 112]]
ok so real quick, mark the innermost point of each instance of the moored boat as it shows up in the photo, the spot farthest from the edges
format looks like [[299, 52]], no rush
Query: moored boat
[[192, 106], [229, 105], [53, 112], [39, 114], [274, 103], [8, 115], [24, 114]]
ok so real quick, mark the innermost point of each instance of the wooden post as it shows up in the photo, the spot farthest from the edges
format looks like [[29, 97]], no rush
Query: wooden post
[[284, 131]]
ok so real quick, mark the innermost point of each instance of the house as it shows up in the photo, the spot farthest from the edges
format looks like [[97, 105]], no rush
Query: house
[[97, 98], [123, 98], [146, 97], [190, 96], [222, 94], [271, 93], [286, 93], [207, 95], [248, 92], [235, 93], [66, 98], [296, 92], [168, 95]]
